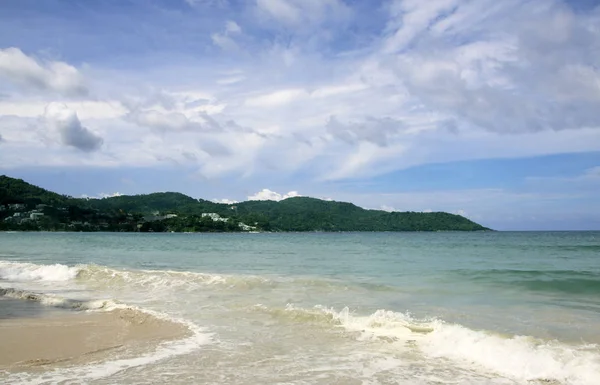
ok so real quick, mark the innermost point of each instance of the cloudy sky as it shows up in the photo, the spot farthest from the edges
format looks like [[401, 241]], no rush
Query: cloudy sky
[[486, 108]]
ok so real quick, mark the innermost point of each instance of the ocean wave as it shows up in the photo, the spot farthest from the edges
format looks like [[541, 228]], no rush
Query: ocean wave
[[165, 279], [560, 281], [328, 316], [61, 302], [132, 312], [22, 271], [519, 358], [98, 276], [523, 273], [158, 279]]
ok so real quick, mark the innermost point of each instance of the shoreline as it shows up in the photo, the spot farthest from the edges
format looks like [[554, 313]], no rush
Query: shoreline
[[284, 232], [80, 337]]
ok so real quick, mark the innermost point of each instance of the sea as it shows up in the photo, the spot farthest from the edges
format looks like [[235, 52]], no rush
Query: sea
[[326, 308]]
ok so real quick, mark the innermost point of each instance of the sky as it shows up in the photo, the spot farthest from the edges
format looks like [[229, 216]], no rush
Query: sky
[[489, 109]]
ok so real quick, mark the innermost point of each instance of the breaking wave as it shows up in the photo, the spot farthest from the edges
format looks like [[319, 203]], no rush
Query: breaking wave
[[26, 272], [163, 279], [520, 358], [147, 279], [61, 302], [97, 276]]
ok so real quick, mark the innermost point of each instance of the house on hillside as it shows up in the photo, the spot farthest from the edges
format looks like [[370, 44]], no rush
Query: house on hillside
[[245, 227], [215, 217]]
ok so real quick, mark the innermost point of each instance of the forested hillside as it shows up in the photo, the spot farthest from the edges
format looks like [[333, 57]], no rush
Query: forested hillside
[[169, 211]]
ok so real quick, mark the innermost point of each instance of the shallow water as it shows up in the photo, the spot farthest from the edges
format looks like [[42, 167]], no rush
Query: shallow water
[[350, 308]]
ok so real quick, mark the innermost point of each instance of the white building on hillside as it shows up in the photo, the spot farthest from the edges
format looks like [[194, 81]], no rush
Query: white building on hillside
[[215, 217]]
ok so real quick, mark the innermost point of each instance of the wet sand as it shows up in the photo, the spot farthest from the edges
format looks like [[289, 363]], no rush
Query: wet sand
[[79, 337]]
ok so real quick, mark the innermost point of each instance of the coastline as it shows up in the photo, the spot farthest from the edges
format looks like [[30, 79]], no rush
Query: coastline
[[67, 337]]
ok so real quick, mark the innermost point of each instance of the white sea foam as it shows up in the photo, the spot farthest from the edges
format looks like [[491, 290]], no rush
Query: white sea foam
[[17, 271], [105, 369], [147, 279], [519, 358], [158, 280], [151, 279], [61, 302], [96, 371]]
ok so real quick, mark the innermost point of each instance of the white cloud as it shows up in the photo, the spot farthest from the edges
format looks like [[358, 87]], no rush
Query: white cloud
[[164, 121], [522, 70], [225, 201], [176, 112], [362, 160], [443, 81], [86, 109], [277, 98], [224, 39], [209, 3], [110, 195], [333, 90], [461, 212], [414, 17], [55, 76], [391, 209], [233, 152], [593, 172], [586, 181], [302, 13], [268, 195], [101, 195], [232, 27], [281, 10], [231, 80], [66, 123], [379, 131]]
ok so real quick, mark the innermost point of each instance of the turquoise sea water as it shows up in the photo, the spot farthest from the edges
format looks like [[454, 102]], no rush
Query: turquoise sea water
[[320, 308]]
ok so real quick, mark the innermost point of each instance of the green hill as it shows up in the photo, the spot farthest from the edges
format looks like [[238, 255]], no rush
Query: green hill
[[306, 214], [146, 204], [148, 213], [18, 191]]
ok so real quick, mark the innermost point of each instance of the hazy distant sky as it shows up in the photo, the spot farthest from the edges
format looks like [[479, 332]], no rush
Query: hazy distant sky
[[486, 108]]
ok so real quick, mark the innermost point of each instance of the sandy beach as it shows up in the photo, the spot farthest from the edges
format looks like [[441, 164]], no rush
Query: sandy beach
[[78, 337]]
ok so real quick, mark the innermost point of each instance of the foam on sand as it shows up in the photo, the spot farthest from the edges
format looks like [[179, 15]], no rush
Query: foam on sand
[[80, 337], [98, 339]]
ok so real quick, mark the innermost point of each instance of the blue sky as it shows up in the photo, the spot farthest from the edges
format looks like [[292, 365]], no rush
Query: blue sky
[[484, 108]]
